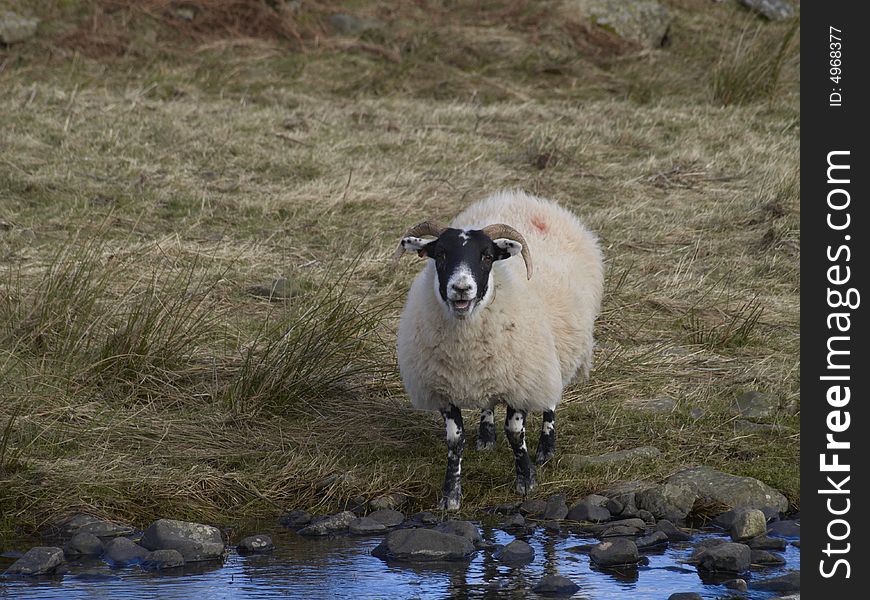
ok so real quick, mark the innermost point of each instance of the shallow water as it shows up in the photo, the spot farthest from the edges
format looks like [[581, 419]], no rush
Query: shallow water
[[342, 567]]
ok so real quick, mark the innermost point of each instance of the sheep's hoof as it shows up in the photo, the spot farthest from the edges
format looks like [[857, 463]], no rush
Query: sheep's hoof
[[526, 486], [451, 500], [544, 456], [485, 444]]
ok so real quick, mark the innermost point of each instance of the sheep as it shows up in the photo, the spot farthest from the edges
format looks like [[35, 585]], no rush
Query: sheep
[[478, 330]]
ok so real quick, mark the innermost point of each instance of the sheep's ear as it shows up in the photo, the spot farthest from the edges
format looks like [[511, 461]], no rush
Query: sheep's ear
[[505, 248], [416, 244]]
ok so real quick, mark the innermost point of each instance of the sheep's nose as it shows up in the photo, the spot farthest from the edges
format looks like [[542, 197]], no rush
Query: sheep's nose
[[461, 288]]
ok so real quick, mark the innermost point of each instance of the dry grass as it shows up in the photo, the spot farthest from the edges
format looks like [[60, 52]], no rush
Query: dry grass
[[142, 194]]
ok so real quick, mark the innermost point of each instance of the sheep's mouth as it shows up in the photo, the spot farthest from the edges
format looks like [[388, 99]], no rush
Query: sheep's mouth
[[461, 308]]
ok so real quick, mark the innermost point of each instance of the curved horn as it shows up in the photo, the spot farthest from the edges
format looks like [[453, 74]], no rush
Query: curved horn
[[420, 229], [500, 230]]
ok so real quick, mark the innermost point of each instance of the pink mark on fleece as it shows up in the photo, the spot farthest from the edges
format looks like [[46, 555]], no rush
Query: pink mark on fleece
[[540, 224]]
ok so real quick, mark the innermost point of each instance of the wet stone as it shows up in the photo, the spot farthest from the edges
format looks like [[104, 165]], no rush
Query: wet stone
[[387, 517], [162, 560], [330, 525], [766, 559], [508, 508], [122, 551], [83, 544], [685, 596], [784, 529], [552, 526], [195, 542], [614, 506], [736, 584], [366, 526], [748, 523], [255, 543], [646, 516], [790, 582], [424, 518], [616, 552], [716, 487], [668, 501], [728, 557], [656, 539], [84, 523], [555, 508], [705, 545], [464, 529], [41, 560], [555, 585], [514, 522], [674, 534], [766, 543], [296, 519], [533, 507], [622, 531], [423, 545], [586, 511], [516, 552], [356, 505]]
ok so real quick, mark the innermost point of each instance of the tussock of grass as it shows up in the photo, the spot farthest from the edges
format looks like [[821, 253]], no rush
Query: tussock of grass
[[142, 193]]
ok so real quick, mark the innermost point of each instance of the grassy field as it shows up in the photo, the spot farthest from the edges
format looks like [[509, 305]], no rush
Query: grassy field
[[153, 170]]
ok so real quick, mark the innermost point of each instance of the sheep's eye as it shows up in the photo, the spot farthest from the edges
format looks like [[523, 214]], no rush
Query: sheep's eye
[[487, 258]]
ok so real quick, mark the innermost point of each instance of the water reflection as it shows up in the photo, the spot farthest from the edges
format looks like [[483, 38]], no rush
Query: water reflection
[[343, 567]]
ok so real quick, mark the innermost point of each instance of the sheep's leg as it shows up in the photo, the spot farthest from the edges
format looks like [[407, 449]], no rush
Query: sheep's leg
[[452, 493], [547, 441], [486, 431], [515, 431]]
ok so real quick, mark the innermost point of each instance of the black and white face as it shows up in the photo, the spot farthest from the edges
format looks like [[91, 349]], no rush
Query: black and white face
[[463, 260]]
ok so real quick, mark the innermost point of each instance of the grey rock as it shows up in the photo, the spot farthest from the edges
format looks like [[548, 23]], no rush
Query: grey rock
[[424, 518], [356, 505], [84, 523], [162, 560], [596, 499], [255, 544], [516, 552], [705, 545], [673, 501], [766, 543], [337, 523], [646, 516], [697, 413], [194, 541], [387, 517], [644, 22], [533, 507], [755, 405], [725, 519], [508, 508], [674, 533], [765, 558], [581, 548], [464, 529], [423, 545], [14, 28], [775, 10], [41, 560], [714, 486], [784, 529], [555, 585], [12, 554], [686, 596], [123, 551], [83, 544], [586, 511], [280, 289], [622, 531], [736, 584], [748, 523], [654, 540], [388, 501], [790, 582], [659, 406], [366, 526], [616, 552], [614, 506], [614, 458], [728, 557], [351, 25], [514, 522], [556, 507], [552, 526], [296, 519]]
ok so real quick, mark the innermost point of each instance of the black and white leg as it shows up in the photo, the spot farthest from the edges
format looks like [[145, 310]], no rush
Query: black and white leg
[[515, 431], [452, 494], [547, 441], [486, 431]]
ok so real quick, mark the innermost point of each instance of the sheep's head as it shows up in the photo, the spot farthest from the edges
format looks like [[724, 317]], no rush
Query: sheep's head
[[463, 260]]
